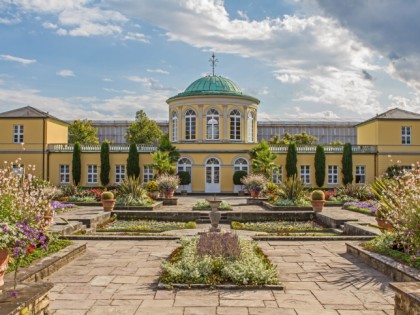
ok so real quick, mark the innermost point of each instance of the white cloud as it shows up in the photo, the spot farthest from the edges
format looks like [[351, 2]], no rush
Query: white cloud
[[285, 77], [411, 104], [160, 71], [149, 83], [299, 113], [49, 25], [65, 73], [139, 37], [10, 21], [107, 80], [119, 91], [17, 59]]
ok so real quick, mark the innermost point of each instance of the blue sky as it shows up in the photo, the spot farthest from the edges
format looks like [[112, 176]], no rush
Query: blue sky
[[302, 58]]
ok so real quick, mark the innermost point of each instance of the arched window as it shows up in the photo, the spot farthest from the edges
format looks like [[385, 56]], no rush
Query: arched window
[[240, 165], [235, 125], [250, 127], [212, 119], [184, 165], [190, 125], [174, 126]]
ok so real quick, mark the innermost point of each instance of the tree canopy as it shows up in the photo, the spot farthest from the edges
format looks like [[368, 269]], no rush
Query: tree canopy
[[291, 160], [133, 168], [299, 138], [262, 160], [82, 131], [347, 164], [320, 165], [143, 130], [166, 146], [105, 165], [162, 163]]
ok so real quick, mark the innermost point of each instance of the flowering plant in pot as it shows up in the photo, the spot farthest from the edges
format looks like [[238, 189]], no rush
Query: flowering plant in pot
[[152, 189], [24, 208], [254, 183], [167, 184], [317, 200], [108, 200]]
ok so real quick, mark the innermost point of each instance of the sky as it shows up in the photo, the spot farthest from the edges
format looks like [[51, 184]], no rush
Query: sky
[[306, 59]]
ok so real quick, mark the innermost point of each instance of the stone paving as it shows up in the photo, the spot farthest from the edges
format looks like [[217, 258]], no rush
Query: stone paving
[[120, 277]]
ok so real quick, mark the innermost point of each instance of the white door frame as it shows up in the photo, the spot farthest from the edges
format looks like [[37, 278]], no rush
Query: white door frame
[[183, 167], [212, 175]]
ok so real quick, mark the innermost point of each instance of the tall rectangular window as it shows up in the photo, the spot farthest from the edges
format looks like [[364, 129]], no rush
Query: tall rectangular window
[[360, 174], [64, 174], [92, 174], [119, 173], [147, 173], [406, 135], [305, 174], [235, 125], [332, 174], [17, 133], [278, 175]]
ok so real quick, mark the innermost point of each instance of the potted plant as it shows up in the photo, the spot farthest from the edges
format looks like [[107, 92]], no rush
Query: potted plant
[[168, 184], [254, 183], [237, 177], [152, 189], [108, 200], [184, 179], [317, 200]]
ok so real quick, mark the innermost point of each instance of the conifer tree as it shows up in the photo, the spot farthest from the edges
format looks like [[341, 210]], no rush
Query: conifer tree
[[76, 168], [105, 166], [320, 165], [133, 168], [347, 164], [291, 160]]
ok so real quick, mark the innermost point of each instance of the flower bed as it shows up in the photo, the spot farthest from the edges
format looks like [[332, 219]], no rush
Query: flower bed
[[279, 227], [386, 244], [205, 205], [149, 226], [287, 202], [58, 206], [218, 258], [365, 207]]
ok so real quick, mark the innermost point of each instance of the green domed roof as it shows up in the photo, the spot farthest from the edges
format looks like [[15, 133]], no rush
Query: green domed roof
[[213, 85]]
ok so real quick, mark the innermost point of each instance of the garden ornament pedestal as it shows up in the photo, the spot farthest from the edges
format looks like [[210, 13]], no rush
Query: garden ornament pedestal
[[214, 214]]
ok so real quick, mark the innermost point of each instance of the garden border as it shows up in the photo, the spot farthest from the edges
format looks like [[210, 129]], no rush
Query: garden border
[[271, 207], [388, 266], [194, 286], [312, 238]]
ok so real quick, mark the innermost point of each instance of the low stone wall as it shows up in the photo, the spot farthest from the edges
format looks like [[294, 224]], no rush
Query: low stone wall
[[32, 298], [331, 222], [271, 207], [351, 228], [168, 201], [255, 201], [156, 206], [407, 298]]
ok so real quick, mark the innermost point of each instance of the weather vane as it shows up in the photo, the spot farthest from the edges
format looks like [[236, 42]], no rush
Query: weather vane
[[213, 62]]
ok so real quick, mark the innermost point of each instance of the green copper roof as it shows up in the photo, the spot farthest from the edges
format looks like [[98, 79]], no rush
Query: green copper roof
[[212, 85]]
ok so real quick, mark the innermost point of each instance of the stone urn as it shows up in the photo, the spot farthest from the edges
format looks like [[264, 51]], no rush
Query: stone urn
[[4, 259], [214, 214]]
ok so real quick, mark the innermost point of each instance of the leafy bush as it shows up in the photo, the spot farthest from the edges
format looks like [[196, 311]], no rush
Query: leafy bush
[[291, 160], [254, 182], [184, 178], [130, 190], [167, 183], [319, 165], [293, 189], [287, 202], [357, 191], [347, 164], [224, 245], [237, 177], [271, 189], [205, 205], [317, 195], [150, 226], [394, 170], [152, 186], [107, 195], [277, 226], [400, 206]]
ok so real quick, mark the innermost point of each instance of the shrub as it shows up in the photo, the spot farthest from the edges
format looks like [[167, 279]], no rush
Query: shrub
[[237, 177], [357, 191], [131, 189], [320, 165], [347, 164], [167, 183], [394, 170], [105, 166], [224, 245], [152, 186], [184, 178], [317, 195], [293, 189], [271, 188], [254, 182], [107, 195], [76, 168], [133, 168], [291, 160]]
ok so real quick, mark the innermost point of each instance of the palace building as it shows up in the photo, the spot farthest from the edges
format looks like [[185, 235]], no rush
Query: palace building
[[213, 125]]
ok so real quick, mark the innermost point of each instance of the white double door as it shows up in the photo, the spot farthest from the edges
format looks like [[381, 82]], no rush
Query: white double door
[[212, 176]]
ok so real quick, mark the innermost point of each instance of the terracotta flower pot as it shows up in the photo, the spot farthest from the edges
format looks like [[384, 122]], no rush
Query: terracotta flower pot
[[4, 259], [384, 224], [169, 194], [108, 205], [317, 205], [255, 194]]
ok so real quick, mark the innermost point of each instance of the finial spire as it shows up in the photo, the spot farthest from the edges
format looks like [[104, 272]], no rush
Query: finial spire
[[213, 60]]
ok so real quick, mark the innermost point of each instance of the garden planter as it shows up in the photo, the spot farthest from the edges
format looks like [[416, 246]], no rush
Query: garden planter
[[255, 194], [169, 194], [384, 224], [4, 259], [317, 205], [214, 214], [184, 193], [241, 193], [108, 205]]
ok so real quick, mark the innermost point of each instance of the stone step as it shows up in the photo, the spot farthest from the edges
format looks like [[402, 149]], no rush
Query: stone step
[[63, 229]]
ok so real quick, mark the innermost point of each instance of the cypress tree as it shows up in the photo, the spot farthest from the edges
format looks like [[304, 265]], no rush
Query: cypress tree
[[347, 164], [320, 165], [291, 160], [76, 169], [105, 166], [133, 168]]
